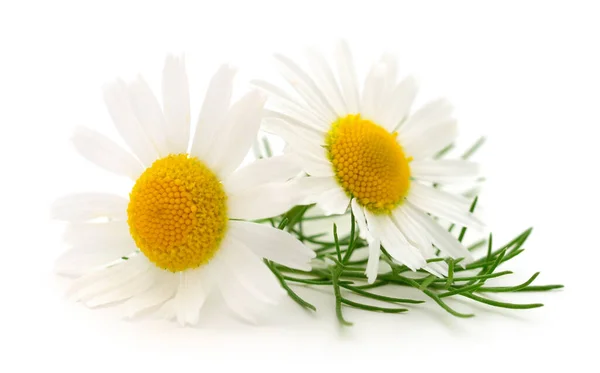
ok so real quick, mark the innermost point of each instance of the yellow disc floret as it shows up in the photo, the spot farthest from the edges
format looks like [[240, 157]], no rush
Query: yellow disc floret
[[177, 213], [369, 163]]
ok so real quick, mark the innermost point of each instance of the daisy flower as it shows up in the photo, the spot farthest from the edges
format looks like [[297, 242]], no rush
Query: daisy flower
[[182, 232], [363, 149]]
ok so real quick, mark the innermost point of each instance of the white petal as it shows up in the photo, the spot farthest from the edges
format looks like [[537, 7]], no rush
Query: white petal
[[421, 239], [313, 160], [447, 243], [112, 233], [214, 111], [313, 165], [103, 152], [391, 71], [176, 104], [273, 244], [311, 156], [309, 189], [263, 201], [163, 288], [88, 206], [317, 128], [438, 269], [232, 143], [384, 90], [104, 280], [94, 245], [251, 271], [237, 297], [334, 201], [373, 261], [359, 215], [382, 227], [274, 90], [149, 114], [119, 107], [430, 141], [139, 284], [81, 260], [306, 87], [309, 148], [298, 138], [194, 288], [347, 77], [444, 171], [317, 167], [289, 104], [444, 205], [192, 291], [430, 115], [373, 92], [328, 85], [414, 233], [399, 103], [262, 171]]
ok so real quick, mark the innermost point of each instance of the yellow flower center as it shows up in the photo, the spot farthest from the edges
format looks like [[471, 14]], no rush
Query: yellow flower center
[[177, 213], [369, 163]]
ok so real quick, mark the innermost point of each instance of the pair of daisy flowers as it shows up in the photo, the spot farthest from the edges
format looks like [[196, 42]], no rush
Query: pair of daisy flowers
[[189, 225]]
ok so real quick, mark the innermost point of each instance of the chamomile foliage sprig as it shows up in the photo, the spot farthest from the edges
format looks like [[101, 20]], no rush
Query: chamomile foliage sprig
[[345, 273]]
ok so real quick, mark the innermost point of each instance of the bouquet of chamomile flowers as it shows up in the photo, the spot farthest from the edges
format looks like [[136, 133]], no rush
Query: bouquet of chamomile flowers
[[362, 198]]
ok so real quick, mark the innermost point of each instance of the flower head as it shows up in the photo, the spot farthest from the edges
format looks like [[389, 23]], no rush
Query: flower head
[[182, 231], [363, 149]]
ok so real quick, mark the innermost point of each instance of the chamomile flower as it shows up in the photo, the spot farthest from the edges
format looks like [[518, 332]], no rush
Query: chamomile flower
[[183, 230], [363, 149]]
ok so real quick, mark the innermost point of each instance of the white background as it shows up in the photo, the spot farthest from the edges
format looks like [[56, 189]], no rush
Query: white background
[[525, 74]]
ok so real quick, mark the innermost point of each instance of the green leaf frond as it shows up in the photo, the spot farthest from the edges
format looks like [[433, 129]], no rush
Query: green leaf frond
[[342, 265]]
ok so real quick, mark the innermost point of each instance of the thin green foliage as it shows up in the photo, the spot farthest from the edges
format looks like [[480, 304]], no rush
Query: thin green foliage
[[348, 281], [342, 269]]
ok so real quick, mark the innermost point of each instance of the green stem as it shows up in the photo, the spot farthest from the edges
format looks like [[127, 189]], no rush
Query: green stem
[[295, 297], [372, 308], [335, 274], [382, 298]]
